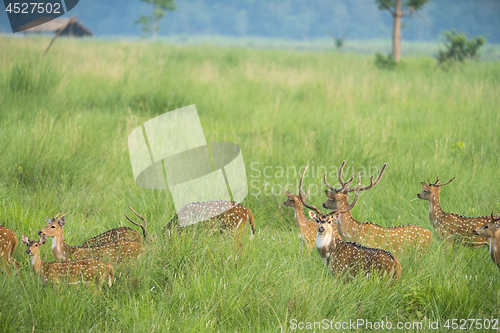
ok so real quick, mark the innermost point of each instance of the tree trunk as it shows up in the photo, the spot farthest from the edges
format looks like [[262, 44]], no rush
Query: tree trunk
[[396, 32]]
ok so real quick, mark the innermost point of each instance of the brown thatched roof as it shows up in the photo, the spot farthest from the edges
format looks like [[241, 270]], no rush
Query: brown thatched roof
[[76, 28]]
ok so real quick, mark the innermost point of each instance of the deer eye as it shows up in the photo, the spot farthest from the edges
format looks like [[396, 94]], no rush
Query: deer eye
[[53, 226], [485, 227], [36, 245]]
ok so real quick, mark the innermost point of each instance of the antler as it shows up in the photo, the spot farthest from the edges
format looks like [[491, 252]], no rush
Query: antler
[[447, 182], [342, 183], [59, 217], [372, 184], [437, 182], [143, 227], [302, 198], [495, 218], [353, 202]]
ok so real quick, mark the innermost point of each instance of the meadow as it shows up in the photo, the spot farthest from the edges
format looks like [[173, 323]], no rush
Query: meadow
[[65, 119]]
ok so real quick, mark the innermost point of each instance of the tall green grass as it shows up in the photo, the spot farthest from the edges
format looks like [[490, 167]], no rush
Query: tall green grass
[[63, 146]]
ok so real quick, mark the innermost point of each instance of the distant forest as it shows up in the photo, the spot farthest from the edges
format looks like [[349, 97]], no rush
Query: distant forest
[[290, 19]]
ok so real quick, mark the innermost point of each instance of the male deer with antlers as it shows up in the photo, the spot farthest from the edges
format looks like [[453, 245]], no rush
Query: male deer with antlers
[[8, 243], [116, 251], [86, 271], [235, 217], [455, 227], [348, 257], [120, 233], [398, 239], [307, 228], [491, 231]]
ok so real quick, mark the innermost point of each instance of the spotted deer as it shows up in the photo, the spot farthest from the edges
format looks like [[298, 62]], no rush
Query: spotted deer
[[234, 219], [85, 271], [120, 233], [448, 226], [348, 258], [491, 231], [8, 243], [398, 239], [116, 251], [307, 228]]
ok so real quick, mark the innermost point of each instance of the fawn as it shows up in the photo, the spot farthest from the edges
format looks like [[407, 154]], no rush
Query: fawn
[[116, 251], [398, 238], [454, 227], [491, 231], [344, 257], [88, 270]]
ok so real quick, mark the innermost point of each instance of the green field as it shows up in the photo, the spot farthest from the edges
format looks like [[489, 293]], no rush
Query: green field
[[65, 119]]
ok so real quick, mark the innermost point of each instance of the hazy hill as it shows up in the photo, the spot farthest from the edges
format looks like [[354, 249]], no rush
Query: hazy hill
[[293, 19]]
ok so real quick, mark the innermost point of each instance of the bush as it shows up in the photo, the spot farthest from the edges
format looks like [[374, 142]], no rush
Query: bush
[[385, 62], [459, 48]]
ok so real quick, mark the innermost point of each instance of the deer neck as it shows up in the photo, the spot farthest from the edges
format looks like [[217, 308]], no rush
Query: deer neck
[[347, 225], [326, 244], [59, 248], [494, 245], [435, 211], [300, 218], [36, 262]]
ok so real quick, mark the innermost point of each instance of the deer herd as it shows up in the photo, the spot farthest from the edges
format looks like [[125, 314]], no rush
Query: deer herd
[[348, 247]]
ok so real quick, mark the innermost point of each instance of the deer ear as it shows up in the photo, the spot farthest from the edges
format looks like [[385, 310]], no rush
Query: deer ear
[[25, 239], [48, 220], [289, 195], [424, 184], [336, 217], [42, 240], [312, 215], [62, 221]]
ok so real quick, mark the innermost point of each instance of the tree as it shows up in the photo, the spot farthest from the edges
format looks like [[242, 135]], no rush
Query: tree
[[150, 22], [459, 48], [395, 7]]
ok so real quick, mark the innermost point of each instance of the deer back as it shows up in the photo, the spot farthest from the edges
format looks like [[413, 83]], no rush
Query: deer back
[[459, 229], [121, 233], [398, 239], [116, 251], [351, 258], [88, 270]]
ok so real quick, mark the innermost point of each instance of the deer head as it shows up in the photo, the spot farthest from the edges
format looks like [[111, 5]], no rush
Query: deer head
[[488, 230], [54, 226], [431, 191], [325, 221], [337, 196], [293, 200], [33, 246]]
